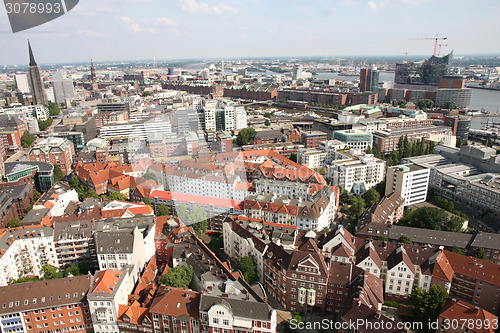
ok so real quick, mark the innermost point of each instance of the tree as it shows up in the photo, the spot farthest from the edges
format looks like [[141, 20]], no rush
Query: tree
[[450, 105], [382, 238], [369, 150], [73, 270], [58, 174], [13, 223], [443, 203], [117, 196], [427, 305], [147, 93], [320, 170], [394, 102], [357, 208], [293, 157], [150, 175], [404, 239], [92, 194], [44, 124], [425, 103], [267, 122], [488, 142], [51, 272], [425, 217], [74, 182], [162, 209], [181, 213], [479, 253], [455, 249], [177, 277], [248, 269], [371, 197], [54, 109], [148, 202], [26, 279], [454, 224], [402, 103], [36, 196], [380, 187], [201, 227], [245, 135], [27, 139]]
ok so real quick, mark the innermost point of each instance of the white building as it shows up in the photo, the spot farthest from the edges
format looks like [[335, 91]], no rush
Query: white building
[[313, 158], [22, 83], [356, 173], [57, 199], [26, 251], [108, 290], [410, 181], [141, 129]]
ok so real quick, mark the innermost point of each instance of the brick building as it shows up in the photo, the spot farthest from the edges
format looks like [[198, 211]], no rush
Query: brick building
[[54, 151]]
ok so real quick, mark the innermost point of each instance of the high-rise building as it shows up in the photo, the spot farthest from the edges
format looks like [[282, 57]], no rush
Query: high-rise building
[[63, 89], [35, 81], [22, 83], [410, 181], [369, 79], [425, 72], [297, 72], [93, 76]]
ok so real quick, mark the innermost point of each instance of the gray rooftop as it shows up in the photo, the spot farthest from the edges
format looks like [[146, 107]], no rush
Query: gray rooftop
[[239, 308]]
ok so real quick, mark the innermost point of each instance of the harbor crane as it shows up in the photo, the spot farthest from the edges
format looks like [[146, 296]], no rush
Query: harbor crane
[[435, 39]]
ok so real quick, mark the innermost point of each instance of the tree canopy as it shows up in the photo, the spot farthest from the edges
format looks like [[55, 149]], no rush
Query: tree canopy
[[177, 277], [13, 223], [44, 124], [450, 105], [162, 209], [480, 254], [404, 239], [427, 305], [245, 135], [58, 174], [371, 197], [431, 218], [54, 109], [248, 269], [425, 103], [27, 139], [150, 175], [117, 196]]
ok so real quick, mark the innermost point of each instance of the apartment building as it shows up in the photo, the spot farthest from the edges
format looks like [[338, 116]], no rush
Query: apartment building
[[54, 151], [72, 241], [410, 181], [108, 289], [141, 130], [25, 251], [58, 306], [356, 173], [355, 139], [314, 214], [388, 140], [313, 158]]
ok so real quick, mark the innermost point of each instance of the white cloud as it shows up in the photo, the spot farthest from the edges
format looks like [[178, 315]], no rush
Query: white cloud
[[134, 27], [89, 33], [372, 5], [164, 21], [193, 6], [86, 12]]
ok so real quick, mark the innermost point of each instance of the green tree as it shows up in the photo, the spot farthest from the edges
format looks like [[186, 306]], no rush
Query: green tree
[[177, 277], [150, 175], [454, 224], [455, 249], [117, 196], [162, 209], [58, 174], [480, 254], [369, 150], [26, 279], [450, 105], [404, 239], [380, 187], [320, 170], [51, 272], [293, 157], [36, 196], [74, 182], [216, 243], [402, 103], [356, 210], [73, 270], [54, 109], [443, 203], [371, 197], [382, 238], [248, 269], [181, 212], [267, 122], [44, 124], [147, 93], [488, 142], [427, 305], [425, 103], [13, 222], [245, 135], [425, 217], [27, 139], [394, 102], [92, 194]]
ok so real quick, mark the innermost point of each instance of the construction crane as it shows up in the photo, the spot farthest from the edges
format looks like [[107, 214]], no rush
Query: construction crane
[[435, 39], [439, 52]]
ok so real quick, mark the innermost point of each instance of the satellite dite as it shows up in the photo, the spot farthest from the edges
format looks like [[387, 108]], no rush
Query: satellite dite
[[26, 14]]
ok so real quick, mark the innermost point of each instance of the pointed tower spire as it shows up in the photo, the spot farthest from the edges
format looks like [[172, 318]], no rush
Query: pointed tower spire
[[32, 57]]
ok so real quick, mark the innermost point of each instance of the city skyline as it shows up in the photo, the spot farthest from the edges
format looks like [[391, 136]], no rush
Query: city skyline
[[195, 29]]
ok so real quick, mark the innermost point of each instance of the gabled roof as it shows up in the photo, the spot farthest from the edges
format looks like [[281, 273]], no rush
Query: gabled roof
[[106, 281], [176, 302], [460, 310]]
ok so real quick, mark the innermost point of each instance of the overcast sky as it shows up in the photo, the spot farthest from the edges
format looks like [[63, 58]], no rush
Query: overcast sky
[[172, 29]]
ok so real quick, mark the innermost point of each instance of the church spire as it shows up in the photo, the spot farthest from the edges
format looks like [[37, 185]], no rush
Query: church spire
[[32, 57]]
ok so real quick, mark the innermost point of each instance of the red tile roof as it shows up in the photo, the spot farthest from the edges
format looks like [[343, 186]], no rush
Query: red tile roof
[[460, 310], [106, 281], [197, 199]]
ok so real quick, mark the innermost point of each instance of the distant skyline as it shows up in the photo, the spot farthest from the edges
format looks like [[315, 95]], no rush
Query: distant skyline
[[114, 30]]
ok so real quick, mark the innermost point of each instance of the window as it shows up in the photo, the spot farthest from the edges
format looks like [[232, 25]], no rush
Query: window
[[225, 322]]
